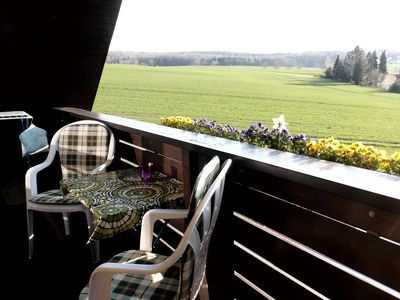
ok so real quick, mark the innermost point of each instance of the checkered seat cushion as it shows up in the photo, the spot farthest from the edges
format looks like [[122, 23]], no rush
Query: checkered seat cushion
[[53, 197], [174, 283]]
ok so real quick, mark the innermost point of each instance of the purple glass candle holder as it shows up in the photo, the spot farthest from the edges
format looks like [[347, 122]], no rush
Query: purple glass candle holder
[[147, 172]]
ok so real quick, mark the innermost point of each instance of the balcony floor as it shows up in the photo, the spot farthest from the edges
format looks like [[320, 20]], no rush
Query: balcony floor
[[61, 264]]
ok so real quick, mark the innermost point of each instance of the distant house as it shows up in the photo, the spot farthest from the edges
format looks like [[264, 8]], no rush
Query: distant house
[[386, 81]]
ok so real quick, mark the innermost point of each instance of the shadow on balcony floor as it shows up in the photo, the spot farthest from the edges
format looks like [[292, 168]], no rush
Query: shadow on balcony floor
[[61, 264]]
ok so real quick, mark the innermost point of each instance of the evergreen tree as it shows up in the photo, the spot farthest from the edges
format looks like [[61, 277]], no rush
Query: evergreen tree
[[395, 87], [383, 63], [371, 62], [359, 65], [329, 73], [337, 69], [358, 72], [374, 60], [371, 69], [354, 64]]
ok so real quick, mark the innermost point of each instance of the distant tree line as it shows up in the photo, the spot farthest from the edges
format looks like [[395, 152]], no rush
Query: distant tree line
[[363, 69], [290, 60], [356, 67]]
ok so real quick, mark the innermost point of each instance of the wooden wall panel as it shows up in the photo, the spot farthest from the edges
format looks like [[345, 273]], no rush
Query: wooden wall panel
[[266, 279], [54, 53], [361, 251], [316, 274], [372, 218], [165, 157]]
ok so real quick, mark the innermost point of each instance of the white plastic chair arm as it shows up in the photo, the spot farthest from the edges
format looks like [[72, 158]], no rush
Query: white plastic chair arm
[[31, 177], [150, 217], [100, 280]]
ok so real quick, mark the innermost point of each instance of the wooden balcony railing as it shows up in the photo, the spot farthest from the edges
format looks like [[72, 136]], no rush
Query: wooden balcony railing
[[291, 227]]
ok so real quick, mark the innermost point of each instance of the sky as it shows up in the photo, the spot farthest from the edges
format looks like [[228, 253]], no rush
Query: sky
[[256, 26]]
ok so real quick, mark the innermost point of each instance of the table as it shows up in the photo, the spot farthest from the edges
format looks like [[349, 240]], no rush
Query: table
[[119, 199]]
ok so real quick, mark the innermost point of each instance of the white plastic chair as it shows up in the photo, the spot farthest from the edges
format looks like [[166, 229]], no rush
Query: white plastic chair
[[85, 147], [140, 274]]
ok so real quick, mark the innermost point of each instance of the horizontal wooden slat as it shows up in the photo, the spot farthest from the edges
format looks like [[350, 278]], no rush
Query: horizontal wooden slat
[[167, 234], [320, 276], [357, 213], [242, 291], [268, 280], [166, 158], [363, 252]]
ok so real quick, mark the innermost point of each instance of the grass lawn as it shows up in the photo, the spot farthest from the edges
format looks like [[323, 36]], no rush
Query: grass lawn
[[241, 96]]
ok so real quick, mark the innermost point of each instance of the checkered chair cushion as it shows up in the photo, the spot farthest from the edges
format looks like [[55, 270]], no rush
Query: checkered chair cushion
[[174, 283], [187, 268], [202, 184], [53, 197], [82, 148]]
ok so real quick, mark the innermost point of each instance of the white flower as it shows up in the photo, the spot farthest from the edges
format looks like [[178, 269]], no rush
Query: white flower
[[279, 123]]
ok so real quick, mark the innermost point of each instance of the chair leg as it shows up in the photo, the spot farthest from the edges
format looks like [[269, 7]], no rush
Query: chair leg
[[29, 215], [94, 245], [95, 250], [203, 293], [66, 218]]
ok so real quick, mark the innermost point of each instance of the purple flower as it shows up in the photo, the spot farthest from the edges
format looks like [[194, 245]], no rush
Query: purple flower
[[285, 132], [248, 132], [300, 137]]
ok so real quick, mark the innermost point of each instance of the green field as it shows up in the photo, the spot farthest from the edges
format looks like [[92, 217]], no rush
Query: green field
[[241, 96]]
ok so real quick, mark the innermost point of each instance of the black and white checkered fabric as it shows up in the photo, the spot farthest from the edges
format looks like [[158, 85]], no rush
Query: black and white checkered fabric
[[172, 284], [82, 148], [53, 197]]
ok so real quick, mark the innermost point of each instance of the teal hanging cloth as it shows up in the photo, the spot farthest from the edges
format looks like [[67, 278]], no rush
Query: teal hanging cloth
[[33, 140]]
